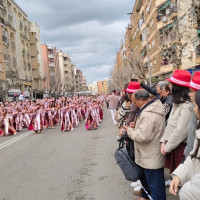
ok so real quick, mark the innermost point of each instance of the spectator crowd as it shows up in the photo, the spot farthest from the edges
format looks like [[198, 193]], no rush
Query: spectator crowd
[[162, 130]]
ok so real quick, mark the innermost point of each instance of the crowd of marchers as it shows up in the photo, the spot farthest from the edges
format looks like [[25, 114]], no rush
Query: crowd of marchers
[[162, 130], [37, 115]]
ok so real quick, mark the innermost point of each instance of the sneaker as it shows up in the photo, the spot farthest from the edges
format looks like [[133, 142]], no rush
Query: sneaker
[[135, 184], [167, 183], [138, 188]]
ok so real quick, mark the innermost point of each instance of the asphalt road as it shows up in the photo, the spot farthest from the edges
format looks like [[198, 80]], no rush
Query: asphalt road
[[57, 165]]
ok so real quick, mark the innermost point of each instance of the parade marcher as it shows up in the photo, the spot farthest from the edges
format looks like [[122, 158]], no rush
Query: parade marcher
[[175, 135], [188, 173], [8, 127], [146, 133]]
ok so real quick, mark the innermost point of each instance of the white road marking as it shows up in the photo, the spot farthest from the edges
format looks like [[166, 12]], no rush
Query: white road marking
[[5, 144]]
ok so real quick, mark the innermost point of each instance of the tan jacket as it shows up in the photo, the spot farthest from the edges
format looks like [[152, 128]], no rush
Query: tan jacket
[[113, 101], [146, 135], [177, 127]]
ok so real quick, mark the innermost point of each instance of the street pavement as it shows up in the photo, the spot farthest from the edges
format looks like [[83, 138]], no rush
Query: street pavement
[[57, 165]]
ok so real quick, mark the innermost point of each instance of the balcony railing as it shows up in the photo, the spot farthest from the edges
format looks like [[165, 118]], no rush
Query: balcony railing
[[10, 14], [51, 64], [5, 39], [14, 61], [21, 25], [23, 51], [50, 55], [2, 20], [7, 57], [13, 45]]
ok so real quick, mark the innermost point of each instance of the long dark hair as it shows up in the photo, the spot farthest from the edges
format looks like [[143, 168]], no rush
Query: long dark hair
[[197, 101], [180, 94]]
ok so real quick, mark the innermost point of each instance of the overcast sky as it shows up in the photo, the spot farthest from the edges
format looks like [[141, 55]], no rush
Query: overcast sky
[[89, 31]]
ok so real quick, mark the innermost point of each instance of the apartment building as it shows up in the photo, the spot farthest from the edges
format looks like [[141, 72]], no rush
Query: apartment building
[[36, 60], [52, 81], [2, 64], [16, 49], [162, 35], [189, 26], [102, 87], [66, 73]]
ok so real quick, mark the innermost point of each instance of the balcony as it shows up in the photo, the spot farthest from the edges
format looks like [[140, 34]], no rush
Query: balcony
[[35, 74], [7, 57], [2, 21], [21, 25], [197, 50], [33, 50], [51, 64], [139, 5], [12, 45], [14, 61], [34, 63], [10, 14], [52, 73], [7, 23], [25, 29], [5, 40], [23, 51], [51, 56], [173, 12], [25, 65]]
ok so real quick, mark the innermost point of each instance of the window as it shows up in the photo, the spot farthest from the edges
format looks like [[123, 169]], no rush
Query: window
[[194, 44], [153, 43], [143, 35], [151, 23], [155, 62], [147, 30], [151, 65], [149, 45], [1, 66]]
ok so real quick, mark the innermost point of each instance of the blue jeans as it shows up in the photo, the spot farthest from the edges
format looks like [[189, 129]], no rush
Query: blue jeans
[[156, 182]]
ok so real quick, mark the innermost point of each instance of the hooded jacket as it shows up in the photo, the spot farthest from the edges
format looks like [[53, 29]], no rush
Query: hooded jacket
[[149, 128]]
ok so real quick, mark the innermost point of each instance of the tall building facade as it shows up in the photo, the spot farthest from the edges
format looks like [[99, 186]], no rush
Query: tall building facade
[[66, 73], [16, 48], [163, 35], [36, 60]]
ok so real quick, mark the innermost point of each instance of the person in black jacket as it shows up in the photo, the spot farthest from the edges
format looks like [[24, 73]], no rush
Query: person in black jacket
[[163, 93]]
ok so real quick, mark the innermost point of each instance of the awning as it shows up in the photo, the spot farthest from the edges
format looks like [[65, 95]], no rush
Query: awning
[[14, 91], [167, 27], [165, 5], [139, 5], [198, 32]]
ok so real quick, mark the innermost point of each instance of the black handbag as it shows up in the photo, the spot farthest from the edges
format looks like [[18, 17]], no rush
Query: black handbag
[[130, 169]]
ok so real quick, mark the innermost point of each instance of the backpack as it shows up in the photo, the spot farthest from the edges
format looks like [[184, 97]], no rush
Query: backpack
[[130, 169]]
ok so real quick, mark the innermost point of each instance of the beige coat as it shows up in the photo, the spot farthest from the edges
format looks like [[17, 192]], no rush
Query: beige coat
[[146, 135], [189, 169], [177, 127]]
